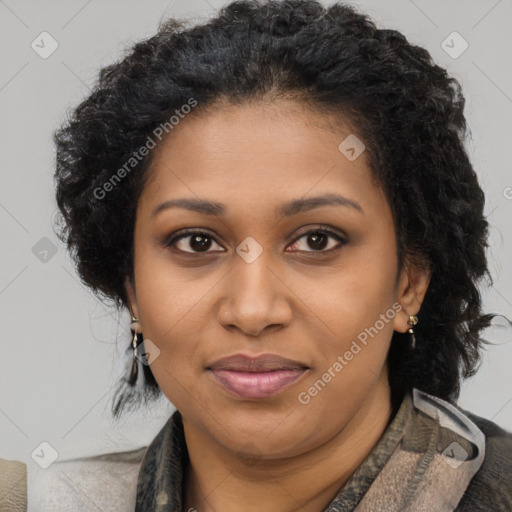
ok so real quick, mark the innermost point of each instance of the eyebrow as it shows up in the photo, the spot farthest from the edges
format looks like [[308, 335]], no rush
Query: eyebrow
[[288, 209]]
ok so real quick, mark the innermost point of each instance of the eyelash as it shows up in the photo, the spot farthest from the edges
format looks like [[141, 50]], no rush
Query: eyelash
[[188, 232]]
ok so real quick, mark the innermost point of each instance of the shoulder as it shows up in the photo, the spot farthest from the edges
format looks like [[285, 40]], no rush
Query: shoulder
[[106, 482], [492, 484]]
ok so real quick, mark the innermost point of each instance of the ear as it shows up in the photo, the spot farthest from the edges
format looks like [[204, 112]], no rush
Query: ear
[[130, 293], [412, 287]]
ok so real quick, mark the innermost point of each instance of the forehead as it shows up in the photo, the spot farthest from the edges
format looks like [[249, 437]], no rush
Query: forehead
[[260, 153]]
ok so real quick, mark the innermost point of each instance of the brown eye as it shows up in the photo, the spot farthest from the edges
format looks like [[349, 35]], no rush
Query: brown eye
[[318, 240], [192, 242]]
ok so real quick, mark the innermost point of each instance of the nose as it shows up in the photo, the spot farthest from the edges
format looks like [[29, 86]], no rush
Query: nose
[[256, 298]]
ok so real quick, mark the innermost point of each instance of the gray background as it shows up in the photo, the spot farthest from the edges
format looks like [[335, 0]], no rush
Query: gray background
[[61, 352]]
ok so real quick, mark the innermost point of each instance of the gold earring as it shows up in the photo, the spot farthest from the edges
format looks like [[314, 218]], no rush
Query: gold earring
[[413, 320]]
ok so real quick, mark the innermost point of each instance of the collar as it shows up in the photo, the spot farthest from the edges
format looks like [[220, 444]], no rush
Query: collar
[[424, 460]]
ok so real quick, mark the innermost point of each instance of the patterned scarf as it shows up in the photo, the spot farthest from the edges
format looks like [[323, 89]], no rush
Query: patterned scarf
[[423, 462]]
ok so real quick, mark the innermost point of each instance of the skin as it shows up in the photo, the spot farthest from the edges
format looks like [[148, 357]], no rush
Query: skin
[[274, 453]]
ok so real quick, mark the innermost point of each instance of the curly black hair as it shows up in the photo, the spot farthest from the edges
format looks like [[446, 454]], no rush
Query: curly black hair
[[406, 109]]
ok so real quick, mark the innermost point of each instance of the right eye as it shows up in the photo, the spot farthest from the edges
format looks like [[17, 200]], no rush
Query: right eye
[[198, 242]]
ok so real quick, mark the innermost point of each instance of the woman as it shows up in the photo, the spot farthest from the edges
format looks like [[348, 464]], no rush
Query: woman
[[282, 200]]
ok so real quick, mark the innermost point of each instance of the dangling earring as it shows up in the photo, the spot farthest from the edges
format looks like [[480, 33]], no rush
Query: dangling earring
[[136, 341], [413, 320]]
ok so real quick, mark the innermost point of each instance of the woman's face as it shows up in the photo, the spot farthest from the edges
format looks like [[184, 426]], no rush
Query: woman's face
[[297, 261]]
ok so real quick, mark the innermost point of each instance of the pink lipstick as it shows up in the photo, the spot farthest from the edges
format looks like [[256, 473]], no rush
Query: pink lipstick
[[256, 377]]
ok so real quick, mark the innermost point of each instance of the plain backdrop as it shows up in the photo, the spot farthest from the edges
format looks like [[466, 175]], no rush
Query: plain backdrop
[[62, 350]]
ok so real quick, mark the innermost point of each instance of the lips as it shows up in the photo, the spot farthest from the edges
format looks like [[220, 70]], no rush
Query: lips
[[256, 377]]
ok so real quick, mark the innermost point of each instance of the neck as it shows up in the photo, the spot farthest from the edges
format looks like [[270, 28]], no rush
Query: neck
[[217, 479]]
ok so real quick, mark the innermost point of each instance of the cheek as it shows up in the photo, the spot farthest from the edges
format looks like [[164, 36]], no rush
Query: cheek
[[356, 311], [177, 367], [168, 297], [170, 310], [355, 295]]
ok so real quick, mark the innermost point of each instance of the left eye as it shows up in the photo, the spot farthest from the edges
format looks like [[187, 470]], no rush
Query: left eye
[[318, 239], [200, 241]]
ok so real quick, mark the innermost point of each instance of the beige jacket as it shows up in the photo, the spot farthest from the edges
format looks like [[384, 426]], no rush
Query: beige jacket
[[106, 482]]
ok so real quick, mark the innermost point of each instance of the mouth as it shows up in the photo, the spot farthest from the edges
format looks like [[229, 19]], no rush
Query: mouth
[[256, 377]]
